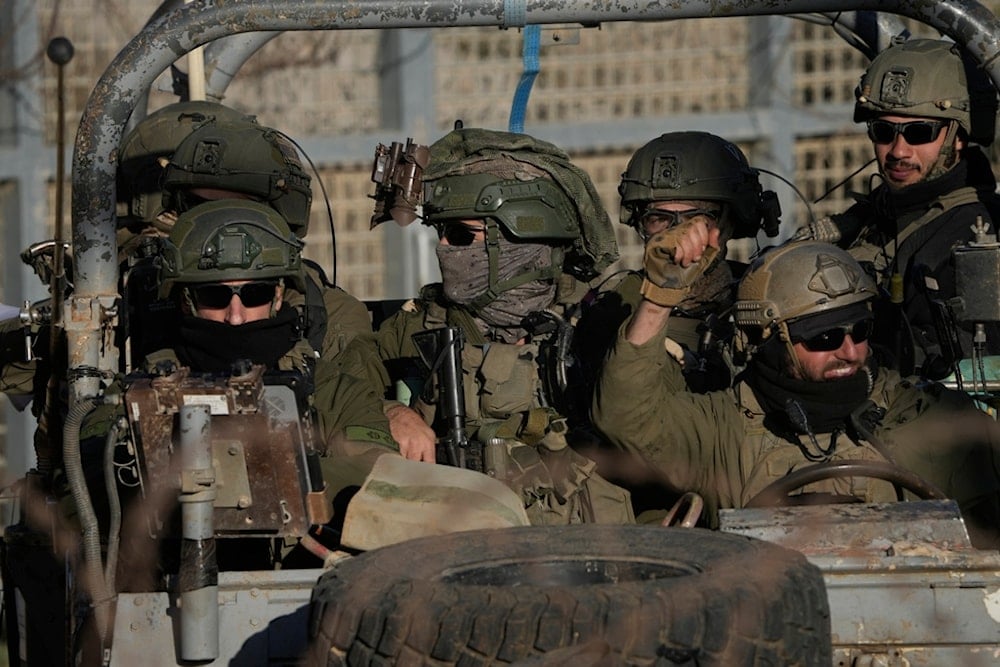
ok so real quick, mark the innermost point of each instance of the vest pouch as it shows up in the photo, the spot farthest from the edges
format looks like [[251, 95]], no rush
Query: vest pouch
[[560, 487], [509, 379]]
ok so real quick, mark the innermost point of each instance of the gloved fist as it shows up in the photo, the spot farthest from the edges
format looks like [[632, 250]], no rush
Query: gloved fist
[[676, 259]]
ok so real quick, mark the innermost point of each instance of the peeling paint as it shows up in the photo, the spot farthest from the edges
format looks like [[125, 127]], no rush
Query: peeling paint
[[991, 601]]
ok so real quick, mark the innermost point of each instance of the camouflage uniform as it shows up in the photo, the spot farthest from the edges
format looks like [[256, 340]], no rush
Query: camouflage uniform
[[252, 160], [504, 400], [719, 445], [530, 199], [233, 155], [712, 177]]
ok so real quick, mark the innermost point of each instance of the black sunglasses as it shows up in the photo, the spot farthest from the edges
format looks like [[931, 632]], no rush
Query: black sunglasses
[[667, 219], [915, 132], [832, 339], [457, 233], [219, 295]]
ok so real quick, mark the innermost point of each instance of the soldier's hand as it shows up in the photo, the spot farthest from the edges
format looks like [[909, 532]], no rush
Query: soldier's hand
[[416, 439], [676, 258]]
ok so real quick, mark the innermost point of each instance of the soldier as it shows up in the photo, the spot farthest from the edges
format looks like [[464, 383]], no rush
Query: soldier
[[926, 105], [675, 178], [811, 392], [228, 265], [518, 225], [228, 158], [142, 156], [225, 156], [139, 212]]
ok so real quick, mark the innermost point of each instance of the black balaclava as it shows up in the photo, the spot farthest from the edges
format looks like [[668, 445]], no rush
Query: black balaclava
[[212, 347]]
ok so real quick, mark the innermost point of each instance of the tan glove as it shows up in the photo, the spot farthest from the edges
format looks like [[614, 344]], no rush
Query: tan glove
[[667, 283]]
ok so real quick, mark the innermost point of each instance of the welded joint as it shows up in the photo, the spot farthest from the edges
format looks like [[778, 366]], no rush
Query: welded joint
[[196, 483], [90, 313]]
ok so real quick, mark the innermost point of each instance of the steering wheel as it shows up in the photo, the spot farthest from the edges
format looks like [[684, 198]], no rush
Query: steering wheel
[[777, 493], [694, 504]]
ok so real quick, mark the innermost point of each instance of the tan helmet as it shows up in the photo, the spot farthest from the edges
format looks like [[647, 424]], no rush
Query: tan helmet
[[796, 280], [154, 138], [230, 239], [929, 78]]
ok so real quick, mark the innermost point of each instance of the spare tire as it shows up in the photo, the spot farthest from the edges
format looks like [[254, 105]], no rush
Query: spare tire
[[647, 595]]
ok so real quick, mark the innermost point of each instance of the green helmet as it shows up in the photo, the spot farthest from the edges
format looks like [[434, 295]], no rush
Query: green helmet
[[529, 186], [535, 210], [140, 172], [693, 166], [241, 157], [230, 239], [928, 78], [796, 280]]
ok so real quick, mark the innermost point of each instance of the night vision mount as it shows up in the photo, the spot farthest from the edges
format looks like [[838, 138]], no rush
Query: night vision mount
[[398, 176]]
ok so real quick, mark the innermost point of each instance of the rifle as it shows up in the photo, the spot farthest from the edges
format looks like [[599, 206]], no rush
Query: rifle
[[441, 351]]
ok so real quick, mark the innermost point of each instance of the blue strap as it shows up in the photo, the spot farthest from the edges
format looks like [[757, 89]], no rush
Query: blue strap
[[515, 13], [532, 40]]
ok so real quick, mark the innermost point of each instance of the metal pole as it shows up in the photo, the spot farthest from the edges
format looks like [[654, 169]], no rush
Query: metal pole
[[196, 71], [198, 576]]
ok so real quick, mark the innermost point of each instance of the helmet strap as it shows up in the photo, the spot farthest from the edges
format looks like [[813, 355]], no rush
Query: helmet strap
[[728, 222], [634, 219], [786, 337], [496, 287], [948, 155], [187, 302], [279, 289]]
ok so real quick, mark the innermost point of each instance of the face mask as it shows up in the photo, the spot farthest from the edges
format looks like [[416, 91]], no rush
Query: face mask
[[503, 315], [213, 347], [465, 272]]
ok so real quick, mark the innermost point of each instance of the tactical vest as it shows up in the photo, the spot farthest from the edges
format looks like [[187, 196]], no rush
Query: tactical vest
[[524, 439]]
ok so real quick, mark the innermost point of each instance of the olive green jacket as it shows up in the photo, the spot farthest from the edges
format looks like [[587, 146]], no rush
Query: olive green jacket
[[502, 389], [345, 315], [718, 445]]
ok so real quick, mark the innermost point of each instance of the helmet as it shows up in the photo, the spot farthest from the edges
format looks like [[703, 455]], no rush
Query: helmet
[[693, 166], [929, 78], [796, 280], [529, 187], [530, 210], [156, 136], [230, 239], [241, 157]]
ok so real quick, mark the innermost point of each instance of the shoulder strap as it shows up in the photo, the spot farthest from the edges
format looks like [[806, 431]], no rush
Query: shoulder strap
[[314, 309], [954, 199]]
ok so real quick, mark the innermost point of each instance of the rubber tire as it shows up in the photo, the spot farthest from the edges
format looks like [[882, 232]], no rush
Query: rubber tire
[[658, 596]]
